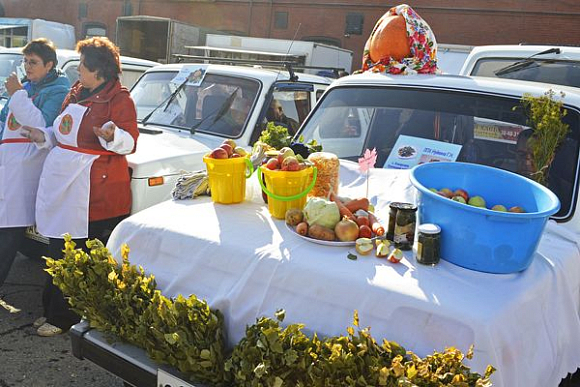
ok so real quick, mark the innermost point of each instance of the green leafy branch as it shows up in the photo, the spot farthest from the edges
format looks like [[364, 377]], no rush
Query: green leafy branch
[[545, 117]]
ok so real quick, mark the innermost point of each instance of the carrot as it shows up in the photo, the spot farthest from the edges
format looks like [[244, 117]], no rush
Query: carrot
[[362, 221], [358, 204], [375, 225], [341, 207]]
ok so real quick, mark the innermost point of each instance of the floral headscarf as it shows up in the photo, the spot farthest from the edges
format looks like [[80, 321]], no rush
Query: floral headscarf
[[422, 44]]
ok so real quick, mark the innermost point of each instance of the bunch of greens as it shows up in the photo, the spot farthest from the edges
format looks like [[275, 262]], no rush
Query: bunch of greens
[[272, 356], [277, 137], [545, 116], [112, 297], [122, 300], [187, 334]]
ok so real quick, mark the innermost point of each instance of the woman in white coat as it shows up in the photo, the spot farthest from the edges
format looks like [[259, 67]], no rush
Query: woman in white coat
[[35, 102]]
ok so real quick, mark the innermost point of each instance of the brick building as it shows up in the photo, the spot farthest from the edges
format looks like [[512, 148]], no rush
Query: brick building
[[346, 23]]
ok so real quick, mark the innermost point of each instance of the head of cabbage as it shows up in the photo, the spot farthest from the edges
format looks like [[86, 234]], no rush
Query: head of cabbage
[[322, 212]]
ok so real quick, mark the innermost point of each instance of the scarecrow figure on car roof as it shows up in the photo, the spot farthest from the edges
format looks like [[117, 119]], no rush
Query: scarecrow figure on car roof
[[401, 43]]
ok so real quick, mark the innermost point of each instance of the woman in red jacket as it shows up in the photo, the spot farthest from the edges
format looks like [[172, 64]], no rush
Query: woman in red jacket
[[84, 188]]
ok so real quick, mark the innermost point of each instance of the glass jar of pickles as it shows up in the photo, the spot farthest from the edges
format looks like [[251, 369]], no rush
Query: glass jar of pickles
[[405, 222], [428, 244]]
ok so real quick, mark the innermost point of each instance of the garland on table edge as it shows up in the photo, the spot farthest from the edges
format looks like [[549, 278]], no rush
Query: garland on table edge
[[188, 335]]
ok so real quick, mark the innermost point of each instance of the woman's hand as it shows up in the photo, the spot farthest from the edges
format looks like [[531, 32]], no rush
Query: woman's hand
[[33, 134], [12, 84], [106, 132]]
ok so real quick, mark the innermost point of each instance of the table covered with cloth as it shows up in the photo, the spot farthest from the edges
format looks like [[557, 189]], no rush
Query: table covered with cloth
[[248, 265]]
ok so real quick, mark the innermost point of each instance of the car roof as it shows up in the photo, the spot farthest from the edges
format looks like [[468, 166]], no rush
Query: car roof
[[507, 87], [253, 72], [524, 51], [64, 55]]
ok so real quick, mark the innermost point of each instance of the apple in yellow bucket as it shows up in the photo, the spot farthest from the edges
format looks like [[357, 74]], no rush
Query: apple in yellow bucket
[[228, 150]]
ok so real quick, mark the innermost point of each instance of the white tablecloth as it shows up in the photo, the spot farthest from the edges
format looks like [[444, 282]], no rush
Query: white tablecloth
[[247, 264]]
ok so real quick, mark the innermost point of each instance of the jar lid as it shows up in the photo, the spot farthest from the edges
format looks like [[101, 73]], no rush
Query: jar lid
[[429, 228], [403, 206]]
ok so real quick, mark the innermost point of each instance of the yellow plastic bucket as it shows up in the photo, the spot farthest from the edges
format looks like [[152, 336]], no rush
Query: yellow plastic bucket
[[286, 189], [227, 178]]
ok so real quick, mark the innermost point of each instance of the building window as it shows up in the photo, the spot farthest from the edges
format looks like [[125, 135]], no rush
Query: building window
[[323, 39], [281, 20], [354, 24], [127, 8], [83, 10], [94, 29]]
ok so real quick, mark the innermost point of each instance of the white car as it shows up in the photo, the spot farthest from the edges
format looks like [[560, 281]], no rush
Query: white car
[[180, 125], [68, 62], [478, 115], [558, 65], [247, 277]]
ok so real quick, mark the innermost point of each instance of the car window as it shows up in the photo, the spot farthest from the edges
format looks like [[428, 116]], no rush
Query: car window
[[220, 105], [128, 76], [288, 108], [559, 72], [349, 120]]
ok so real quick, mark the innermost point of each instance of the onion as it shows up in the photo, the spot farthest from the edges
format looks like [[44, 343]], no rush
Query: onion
[[346, 230]]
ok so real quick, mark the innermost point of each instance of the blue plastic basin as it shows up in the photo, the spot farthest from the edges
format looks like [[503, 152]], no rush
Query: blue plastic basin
[[479, 238]]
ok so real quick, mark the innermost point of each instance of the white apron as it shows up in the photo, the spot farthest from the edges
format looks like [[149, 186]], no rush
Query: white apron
[[62, 204], [20, 167]]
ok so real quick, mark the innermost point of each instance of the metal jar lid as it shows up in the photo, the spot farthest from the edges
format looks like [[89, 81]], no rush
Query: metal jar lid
[[403, 206], [429, 228]]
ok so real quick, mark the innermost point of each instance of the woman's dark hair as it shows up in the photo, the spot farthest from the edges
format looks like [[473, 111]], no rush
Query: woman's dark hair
[[100, 55], [44, 48]]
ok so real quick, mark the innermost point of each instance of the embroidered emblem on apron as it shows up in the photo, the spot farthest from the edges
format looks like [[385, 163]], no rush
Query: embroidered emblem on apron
[[66, 124], [12, 123]]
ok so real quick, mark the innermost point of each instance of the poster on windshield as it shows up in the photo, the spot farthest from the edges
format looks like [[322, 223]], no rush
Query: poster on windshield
[[491, 130], [191, 75], [410, 151]]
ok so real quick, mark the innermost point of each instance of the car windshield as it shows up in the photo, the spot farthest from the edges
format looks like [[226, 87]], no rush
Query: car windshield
[[486, 130], [559, 72], [219, 105], [9, 63]]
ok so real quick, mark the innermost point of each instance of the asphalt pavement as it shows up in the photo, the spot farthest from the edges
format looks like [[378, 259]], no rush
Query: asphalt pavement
[[27, 359]]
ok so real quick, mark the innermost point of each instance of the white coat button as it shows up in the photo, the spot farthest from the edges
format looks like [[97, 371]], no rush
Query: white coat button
[[104, 176]]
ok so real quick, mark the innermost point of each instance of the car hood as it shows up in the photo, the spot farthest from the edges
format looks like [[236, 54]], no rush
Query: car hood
[[163, 153]]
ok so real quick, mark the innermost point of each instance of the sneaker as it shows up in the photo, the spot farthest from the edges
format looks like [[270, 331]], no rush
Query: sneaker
[[48, 330], [39, 322]]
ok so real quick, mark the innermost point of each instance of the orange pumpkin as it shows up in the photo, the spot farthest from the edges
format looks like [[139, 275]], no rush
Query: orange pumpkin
[[389, 39]]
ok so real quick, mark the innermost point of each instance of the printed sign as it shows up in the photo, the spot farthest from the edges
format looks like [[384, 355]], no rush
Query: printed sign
[[194, 75], [496, 131], [410, 151]]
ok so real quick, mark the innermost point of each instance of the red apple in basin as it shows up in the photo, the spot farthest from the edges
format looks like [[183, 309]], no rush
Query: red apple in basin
[[462, 193]]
